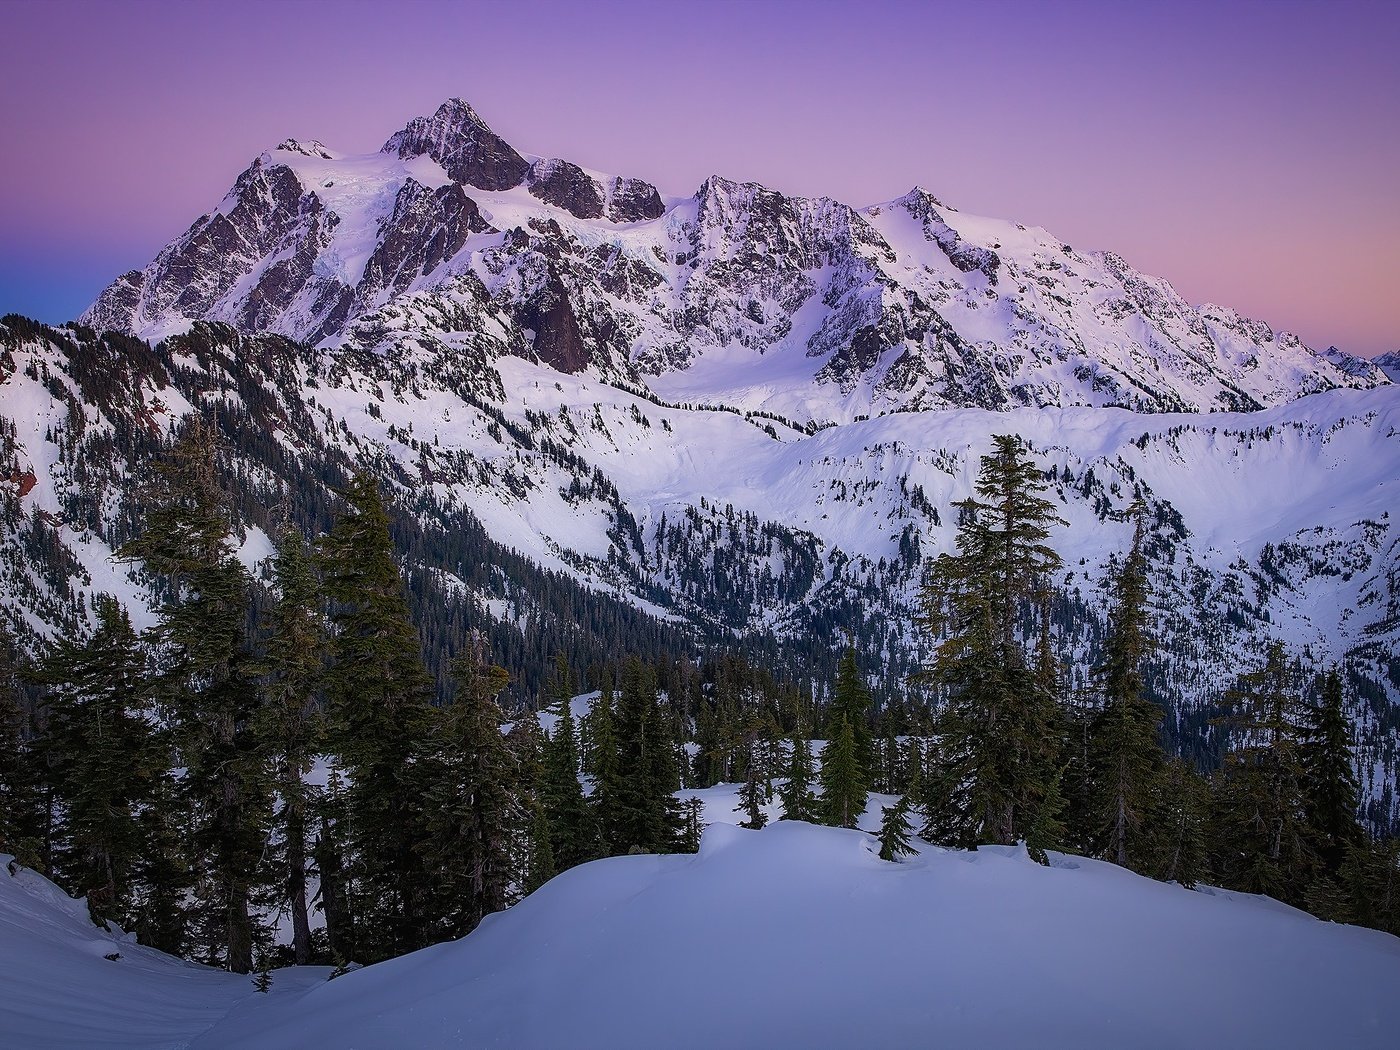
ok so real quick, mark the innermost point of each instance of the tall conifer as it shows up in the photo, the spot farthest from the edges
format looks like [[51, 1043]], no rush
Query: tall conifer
[[380, 724], [208, 679]]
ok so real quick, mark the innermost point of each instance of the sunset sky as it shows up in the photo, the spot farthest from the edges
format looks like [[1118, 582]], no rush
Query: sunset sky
[[1248, 152]]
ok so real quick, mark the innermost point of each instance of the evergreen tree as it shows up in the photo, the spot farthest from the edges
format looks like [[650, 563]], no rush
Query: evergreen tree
[[896, 831], [1125, 755], [842, 780], [1181, 816], [999, 729], [691, 827], [291, 723], [603, 765], [104, 760], [572, 836], [751, 801], [475, 817], [1261, 834], [798, 799], [20, 805], [536, 853], [379, 724], [1329, 779], [850, 701], [1370, 881], [648, 816], [328, 854], [208, 679]]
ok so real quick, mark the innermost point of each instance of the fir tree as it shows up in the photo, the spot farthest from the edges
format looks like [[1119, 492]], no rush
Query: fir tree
[[751, 801], [1181, 817], [104, 760], [1261, 834], [603, 765], [1370, 882], [850, 700], [20, 805], [999, 731], [648, 817], [798, 799], [1329, 778], [208, 676], [691, 826], [896, 831], [1125, 756], [842, 780], [475, 813], [291, 723], [572, 836], [379, 724]]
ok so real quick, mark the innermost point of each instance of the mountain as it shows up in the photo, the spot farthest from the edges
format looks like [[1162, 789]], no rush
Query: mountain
[[1389, 364], [563, 512], [615, 421], [980, 948], [450, 239]]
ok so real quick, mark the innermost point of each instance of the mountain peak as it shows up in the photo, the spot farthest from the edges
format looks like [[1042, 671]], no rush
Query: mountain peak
[[466, 147]]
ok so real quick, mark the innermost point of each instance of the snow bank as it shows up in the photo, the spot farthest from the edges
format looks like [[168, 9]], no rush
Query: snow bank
[[798, 936]]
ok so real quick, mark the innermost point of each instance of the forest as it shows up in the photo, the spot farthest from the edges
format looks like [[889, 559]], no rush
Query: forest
[[273, 749]]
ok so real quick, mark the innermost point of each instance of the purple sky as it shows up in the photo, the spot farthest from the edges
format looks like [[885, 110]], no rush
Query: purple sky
[[1249, 152]]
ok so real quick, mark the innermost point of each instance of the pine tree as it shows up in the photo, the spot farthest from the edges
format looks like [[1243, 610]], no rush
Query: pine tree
[[648, 816], [691, 826], [1261, 839], [475, 817], [842, 780], [379, 725], [20, 802], [1125, 755], [291, 723], [602, 764], [104, 760], [896, 831], [798, 799], [1181, 815], [535, 864], [572, 836], [1329, 779], [999, 731], [208, 676], [850, 700], [751, 801], [1370, 881]]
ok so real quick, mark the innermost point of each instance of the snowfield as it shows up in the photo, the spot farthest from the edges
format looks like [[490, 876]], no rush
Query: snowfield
[[794, 936]]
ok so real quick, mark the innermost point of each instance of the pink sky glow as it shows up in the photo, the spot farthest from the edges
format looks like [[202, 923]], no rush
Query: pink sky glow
[[1248, 152]]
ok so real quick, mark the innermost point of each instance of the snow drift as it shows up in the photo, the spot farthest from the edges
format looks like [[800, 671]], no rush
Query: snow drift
[[794, 936]]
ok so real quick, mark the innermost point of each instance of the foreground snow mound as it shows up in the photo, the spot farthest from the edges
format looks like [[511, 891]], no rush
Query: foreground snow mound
[[798, 936], [61, 987]]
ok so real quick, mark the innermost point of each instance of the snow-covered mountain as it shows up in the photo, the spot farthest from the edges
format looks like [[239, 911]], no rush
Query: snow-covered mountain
[[737, 295], [1389, 363], [567, 512], [793, 936]]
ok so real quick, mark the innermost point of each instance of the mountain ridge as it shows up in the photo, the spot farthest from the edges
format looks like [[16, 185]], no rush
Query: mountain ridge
[[738, 294]]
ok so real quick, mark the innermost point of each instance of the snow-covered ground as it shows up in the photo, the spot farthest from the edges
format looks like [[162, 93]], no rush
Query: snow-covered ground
[[794, 936]]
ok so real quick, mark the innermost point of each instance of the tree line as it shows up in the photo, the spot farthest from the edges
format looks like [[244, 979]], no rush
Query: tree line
[[252, 757]]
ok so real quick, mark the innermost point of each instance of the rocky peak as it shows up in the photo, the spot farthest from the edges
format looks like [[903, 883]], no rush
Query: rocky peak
[[468, 150], [306, 149], [567, 186]]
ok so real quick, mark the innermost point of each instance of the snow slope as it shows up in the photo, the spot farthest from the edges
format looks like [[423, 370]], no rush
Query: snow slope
[[795, 936], [58, 989], [798, 936]]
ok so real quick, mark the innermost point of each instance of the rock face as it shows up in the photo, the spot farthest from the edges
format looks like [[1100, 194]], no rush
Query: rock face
[[738, 295], [459, 140], [567, 186]]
